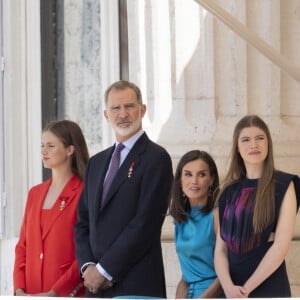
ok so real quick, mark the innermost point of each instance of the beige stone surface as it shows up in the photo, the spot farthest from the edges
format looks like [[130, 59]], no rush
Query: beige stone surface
[[172, 268], [293, 267], [297, 229]]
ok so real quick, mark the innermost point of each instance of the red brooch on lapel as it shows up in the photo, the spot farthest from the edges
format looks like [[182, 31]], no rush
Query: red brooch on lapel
[[62, 204], [130, 171]]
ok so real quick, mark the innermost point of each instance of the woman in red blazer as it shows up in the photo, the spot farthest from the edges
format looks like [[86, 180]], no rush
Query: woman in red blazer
[[45, 263]]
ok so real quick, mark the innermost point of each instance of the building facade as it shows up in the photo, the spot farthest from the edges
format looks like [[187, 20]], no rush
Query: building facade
[[201, 65]]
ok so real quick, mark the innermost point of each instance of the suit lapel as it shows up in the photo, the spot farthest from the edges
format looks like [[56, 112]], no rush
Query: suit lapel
[[62, 203], [40, 197], [131, 161]]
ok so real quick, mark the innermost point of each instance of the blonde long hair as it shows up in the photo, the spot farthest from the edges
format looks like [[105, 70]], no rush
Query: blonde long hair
[[264, 209]]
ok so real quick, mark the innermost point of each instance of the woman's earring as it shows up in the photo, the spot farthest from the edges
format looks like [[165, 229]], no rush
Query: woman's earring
[[210, 191], [184, 196]]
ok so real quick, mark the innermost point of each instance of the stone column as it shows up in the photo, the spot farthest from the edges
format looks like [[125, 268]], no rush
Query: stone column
[[290, 47], [263, 90], [88, 61], [21, 123]]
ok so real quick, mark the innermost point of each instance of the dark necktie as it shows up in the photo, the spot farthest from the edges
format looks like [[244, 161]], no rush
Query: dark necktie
[[113, 169]]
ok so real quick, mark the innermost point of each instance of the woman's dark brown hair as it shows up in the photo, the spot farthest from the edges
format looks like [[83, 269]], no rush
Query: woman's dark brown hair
[[70, 133], [179, 207]]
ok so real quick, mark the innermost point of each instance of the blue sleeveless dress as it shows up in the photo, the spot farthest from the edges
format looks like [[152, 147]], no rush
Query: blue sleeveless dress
[[195, 242], [246, 249]]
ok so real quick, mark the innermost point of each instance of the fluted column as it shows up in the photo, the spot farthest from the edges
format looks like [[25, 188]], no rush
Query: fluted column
[[290, 47], [176, 75], [263, 77], [231, 64]]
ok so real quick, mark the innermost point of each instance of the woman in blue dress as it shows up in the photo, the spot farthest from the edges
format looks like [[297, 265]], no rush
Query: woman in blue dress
[[257, 210], [196, 222]]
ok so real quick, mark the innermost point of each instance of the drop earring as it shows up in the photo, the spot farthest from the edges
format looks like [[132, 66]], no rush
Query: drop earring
[[209, 191]]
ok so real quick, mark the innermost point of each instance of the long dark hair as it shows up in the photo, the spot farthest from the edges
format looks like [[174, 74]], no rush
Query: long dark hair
[[69, 134], [264, 209], [179, 207]]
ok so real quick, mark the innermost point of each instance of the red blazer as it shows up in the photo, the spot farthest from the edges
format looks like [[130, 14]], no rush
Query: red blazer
[[45, 260]]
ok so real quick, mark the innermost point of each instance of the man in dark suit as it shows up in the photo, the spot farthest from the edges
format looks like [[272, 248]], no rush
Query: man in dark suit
[[117, 234]]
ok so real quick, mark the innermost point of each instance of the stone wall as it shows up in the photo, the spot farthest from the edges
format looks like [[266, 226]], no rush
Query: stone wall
[[200, 78]]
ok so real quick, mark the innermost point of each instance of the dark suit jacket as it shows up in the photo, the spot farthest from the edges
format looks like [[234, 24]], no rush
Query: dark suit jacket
[[124, 237]]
